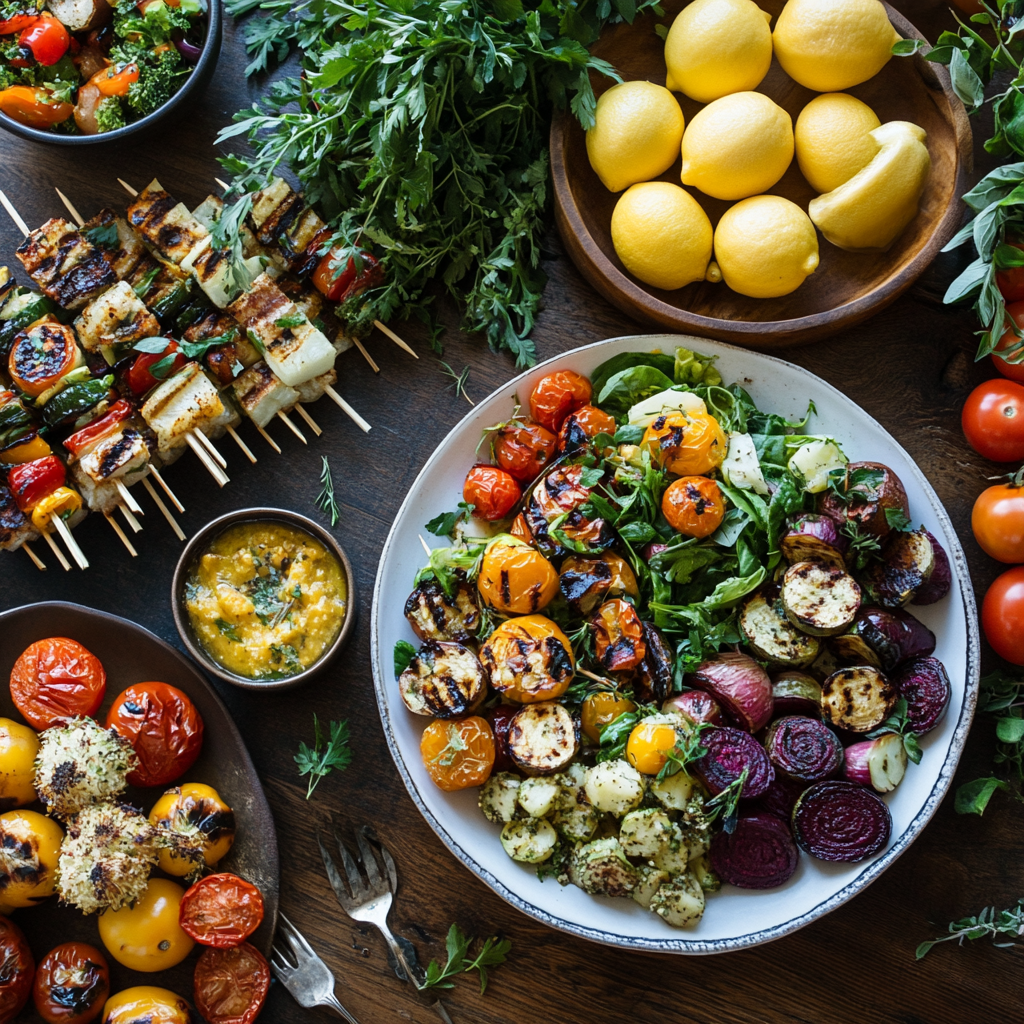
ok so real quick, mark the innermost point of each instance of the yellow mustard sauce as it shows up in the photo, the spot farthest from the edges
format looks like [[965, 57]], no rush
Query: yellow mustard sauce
[[266, 600]]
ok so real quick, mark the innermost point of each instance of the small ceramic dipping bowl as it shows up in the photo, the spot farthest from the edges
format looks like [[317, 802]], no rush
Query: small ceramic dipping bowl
[[276, 590]]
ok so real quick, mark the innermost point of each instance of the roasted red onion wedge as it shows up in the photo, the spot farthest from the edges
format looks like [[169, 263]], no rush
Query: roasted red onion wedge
[[880, 763], [796, 693], [729, 753], [841, 821], [924, 685], [803, 749], [937, 585], [814, 538], [740, 686], [759, 854], [870, 489], [695, 706], [884, 638]]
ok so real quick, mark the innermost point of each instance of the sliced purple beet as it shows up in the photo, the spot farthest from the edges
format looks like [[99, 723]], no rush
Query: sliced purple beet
[[729, 752], [924, 685], [796, 693], [781, 796], [841, 821], [940, 580], [804, 749], [759, 854]]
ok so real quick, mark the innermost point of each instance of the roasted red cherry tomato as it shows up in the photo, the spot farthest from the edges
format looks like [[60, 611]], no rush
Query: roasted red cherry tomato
[[493, 491], [106, 424], [33, 106], [57, 679], [221, 910], [1002, 615], [41, 355], [523, 449], [993, 420], [350, 281], [141, 378], [72, 984], [16, 970], [583, 425], [47, 38], [998, 522], [32, 481], [163, 726], [231, 985], [556, 395]]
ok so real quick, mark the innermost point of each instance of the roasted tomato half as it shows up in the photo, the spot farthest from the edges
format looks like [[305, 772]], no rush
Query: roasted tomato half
[[529, 659], [687, 444], [57, 679], [492, 492], [516, 579], [694, 506], [579, 428], [523, 449], [190, 809], [556, 395], [458, 755], [586, 582], [599, 709], [231, 985], [147, 1004], [72, 984], [618, 636], [434, 615], [30, 843], [221, 910], [558, 497], [163, 726], [16, 970]]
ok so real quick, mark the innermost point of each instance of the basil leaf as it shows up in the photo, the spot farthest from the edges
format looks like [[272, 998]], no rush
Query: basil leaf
[[404, 653], [152, 346]]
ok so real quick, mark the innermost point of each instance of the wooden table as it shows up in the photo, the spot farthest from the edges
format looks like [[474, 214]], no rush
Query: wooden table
[[911, 367]]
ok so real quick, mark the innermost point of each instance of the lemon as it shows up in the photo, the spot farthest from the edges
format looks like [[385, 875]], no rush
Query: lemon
[[870, 210], [829, 45], [636, 134], [765, 247], [833, 140], [737, 146], [661, 234], [716, 47]]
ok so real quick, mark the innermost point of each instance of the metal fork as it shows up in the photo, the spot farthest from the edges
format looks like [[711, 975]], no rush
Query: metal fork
[[369, 901], [310, 980]]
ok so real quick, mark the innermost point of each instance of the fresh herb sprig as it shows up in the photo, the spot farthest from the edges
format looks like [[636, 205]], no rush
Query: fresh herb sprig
[[327, 753], [899, 724], [493, 952], [325, 499], [444, 525], [725, 805], [989, 923], [459, 380], [685, 752]]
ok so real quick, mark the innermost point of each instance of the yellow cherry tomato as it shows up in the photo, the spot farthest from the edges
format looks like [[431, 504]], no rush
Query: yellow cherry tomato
[[18, 748], [190, 809], [29, 848], [648, 744], [601, 708], [147, 936], [147, 1004], [687, 444], [529, 659], [515, 578]]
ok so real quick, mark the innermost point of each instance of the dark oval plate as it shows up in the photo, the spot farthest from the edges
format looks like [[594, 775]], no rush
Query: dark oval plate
[[131, 654]]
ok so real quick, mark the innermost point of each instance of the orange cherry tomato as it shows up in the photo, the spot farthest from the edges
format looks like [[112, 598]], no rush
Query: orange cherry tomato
[[57, 679], [231, 985], [221, 910], [993, 420], [648, 744], [693, 506], [618, 636], [71, 985], [523, 449], [529, 659], [516, 579], [493, 491], [998, 522], [581, 426], [586, 582], [458, 755], [111, 82], [33, 107], [599, 709], [1002, 615], [1014, 370], [686, 444], [556, 395], [149, 1005]]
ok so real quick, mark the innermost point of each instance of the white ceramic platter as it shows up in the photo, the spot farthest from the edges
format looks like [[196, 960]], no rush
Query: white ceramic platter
[[734, 918]]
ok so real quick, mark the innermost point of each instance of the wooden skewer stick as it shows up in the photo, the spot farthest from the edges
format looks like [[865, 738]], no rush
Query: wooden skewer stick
[[172, 522], [246, 450], [130, 519], [366, 355], [70, 543], [14, 215], [155, 474], [78, 218], [266, 437], [347, 409], [124, 184], [58, 554], [426, 546], [212, 468], [208, 445], [283, 417], [127, 498], [395, 338], [223, 184], [36, 560], [310, 422], [122, 536]]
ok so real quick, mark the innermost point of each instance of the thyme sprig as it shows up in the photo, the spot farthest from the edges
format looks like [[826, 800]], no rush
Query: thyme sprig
[[989, 923]]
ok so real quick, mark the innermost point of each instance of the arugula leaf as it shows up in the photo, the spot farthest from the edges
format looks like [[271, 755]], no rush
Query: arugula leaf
[[404, 653], [444, 524], [326, 754]]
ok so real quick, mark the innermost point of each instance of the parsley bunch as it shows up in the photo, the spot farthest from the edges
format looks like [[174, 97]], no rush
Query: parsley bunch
[[493, 952], [327, 753], [419, 128]]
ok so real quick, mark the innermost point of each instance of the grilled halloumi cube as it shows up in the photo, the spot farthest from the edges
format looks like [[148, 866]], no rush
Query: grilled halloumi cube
[[284, 221], [295, 353], [185, 402], [209, 211], [212, 269], [123, 253], [122, 454], [308, 300], [117, 317], [262, 395], [15, 526], [165, 224], [312, 390], [65, 265]]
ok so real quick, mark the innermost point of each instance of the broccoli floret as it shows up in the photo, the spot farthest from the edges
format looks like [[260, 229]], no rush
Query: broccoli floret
[[156, 25], [110, 115], [159, 78]]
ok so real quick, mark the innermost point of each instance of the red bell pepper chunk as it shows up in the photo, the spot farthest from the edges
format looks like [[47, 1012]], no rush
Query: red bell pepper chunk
[[20, 22], [106, 424], [33, 481], [141, 378]]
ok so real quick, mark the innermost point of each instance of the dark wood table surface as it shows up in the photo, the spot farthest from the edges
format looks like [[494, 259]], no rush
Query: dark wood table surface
[[911, 367]]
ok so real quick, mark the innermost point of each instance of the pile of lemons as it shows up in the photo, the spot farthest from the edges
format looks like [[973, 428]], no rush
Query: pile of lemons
[[870, 175]]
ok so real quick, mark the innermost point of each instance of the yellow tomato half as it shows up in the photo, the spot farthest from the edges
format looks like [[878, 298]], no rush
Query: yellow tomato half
[[189, 809], [148, 1004], [29, 848], [515, 578], [147, 937], [647, 745], [18, 748], [601, 708]]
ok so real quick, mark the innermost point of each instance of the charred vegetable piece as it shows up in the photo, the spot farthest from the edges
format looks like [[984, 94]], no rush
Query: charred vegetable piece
[[618, 636], [554, 505], [858, 698], [803, 749], [863, 496], [587, 582], [909, 560], [740, 686], [695, 706], [814, 538], [884, 638], [542, 738], [730, 752], [880, 763], [434, 615], [937, 585], [770, 635], [516, 579], [602, 869], [444, 679], [796, 693], [820, 599], [528, 659], [924, 685], [653, 680], [781, 796], [759, 854], [841, 822], [500, 717]]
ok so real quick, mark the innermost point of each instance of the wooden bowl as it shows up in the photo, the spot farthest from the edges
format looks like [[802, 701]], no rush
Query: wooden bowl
[[847, 287]]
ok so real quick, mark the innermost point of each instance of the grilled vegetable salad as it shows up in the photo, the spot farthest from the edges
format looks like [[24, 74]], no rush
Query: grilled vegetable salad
[[89, 66], [682, 653]]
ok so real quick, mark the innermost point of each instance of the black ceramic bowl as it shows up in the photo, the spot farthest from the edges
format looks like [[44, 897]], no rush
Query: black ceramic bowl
[[199, 543], [174, 107]]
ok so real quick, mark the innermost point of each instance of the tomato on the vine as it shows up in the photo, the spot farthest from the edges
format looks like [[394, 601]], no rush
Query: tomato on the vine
[[1010, 282], [492, 491], [556, 395], [1002, 615], [1014, 370], [993, 420], [998, 521], [523, 449]]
